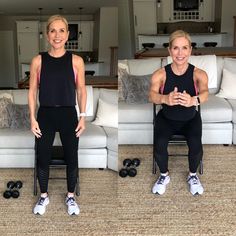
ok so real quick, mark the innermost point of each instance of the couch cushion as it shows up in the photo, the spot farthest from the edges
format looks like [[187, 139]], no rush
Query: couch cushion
[[216, 110], [112, 138], [135, 113], [10, 138], [232, 103], [20, 96], [144, 66]]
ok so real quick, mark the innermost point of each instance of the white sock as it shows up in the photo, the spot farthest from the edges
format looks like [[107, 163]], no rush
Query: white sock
[[164, 174], [192, 174]]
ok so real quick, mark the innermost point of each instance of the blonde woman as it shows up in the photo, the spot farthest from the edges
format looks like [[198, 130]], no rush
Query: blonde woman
[[179, 87], [58, 76]]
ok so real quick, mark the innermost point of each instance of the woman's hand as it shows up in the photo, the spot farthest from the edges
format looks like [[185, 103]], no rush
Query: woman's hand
[[80, 127], [35, 129], [185, 99], [173, 97]]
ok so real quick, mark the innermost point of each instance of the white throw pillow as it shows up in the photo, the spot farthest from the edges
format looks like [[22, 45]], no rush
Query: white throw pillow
[[228, 85], [107, 114]]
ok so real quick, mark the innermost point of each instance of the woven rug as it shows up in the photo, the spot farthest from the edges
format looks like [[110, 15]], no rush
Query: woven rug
[[126, 206], [97, 201], [177, 212]]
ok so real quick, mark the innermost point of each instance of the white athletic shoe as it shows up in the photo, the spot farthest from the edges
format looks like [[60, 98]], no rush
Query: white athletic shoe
[[160, 185], [40, 206], [73, 208], [195, 186]]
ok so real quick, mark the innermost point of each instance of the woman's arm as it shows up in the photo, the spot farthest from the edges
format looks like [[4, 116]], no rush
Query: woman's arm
[[32, 95], [158, 80], [81, 92], [202, 83]]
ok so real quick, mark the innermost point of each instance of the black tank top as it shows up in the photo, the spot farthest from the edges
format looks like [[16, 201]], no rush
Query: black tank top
[[57, 81], [182, 82]]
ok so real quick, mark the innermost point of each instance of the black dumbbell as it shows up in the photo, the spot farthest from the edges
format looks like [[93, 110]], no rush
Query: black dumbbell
[[127, 171], [8, 192], [15, 192], [13, 189]]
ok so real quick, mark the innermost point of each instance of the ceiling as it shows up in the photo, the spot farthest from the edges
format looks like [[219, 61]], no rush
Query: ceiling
[[69, 7]]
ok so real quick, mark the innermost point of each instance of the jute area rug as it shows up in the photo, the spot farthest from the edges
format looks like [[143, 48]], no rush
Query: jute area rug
[[97, 201], [177, 212]]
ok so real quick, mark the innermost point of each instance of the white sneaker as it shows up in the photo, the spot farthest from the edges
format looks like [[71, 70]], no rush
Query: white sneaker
[[73, 208], [195, 186], [40, 206], [160, 185]]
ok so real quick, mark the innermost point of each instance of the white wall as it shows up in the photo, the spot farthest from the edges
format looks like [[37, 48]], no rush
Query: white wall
[[227, 21], [108, 36]]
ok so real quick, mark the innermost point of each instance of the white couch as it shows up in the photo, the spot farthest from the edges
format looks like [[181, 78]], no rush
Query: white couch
[[218, 114], [98, 146]]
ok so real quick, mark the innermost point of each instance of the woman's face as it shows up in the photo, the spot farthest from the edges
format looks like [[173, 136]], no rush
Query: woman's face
[[180, 50], [57, 34]]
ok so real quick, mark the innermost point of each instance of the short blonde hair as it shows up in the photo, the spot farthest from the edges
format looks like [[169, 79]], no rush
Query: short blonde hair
[[177, 34], [54, 18]]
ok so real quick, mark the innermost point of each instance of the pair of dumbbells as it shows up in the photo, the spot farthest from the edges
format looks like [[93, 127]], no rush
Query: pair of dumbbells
[[13, 189], [129, 168]]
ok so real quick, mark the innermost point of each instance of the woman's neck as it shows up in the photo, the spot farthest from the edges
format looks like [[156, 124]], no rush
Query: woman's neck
[[179, 69], [57, 53]]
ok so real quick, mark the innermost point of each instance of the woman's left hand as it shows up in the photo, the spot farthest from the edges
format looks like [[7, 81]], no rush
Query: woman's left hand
[[185, 99], [80, 127]]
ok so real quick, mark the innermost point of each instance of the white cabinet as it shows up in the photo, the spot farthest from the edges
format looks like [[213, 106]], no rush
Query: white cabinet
[[207, 10], [27, 42], [86, 39], [145, 18], [165, 11]]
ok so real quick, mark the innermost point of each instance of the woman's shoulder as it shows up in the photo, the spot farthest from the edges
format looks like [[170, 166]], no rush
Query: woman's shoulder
[[37, 59], [77, 59]]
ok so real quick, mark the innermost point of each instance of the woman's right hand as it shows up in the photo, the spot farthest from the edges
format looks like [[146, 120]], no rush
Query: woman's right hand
[[35, 129], [173, 97]]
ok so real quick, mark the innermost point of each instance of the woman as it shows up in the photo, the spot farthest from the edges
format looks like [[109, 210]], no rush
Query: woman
[[58, 76], [179, 87]]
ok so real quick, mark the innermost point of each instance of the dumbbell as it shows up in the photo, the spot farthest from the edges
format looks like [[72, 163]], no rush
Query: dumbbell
[[127, 171], [13, 189], [10, 186]]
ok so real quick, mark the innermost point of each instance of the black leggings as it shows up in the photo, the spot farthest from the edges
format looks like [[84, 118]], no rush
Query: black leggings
[[191, 129], [63, 120]]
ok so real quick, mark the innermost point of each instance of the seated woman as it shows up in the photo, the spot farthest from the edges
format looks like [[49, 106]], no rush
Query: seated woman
[[179, 87]]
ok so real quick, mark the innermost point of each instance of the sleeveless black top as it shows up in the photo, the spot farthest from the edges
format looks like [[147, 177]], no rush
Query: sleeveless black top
[[182, 82], [57, 81]]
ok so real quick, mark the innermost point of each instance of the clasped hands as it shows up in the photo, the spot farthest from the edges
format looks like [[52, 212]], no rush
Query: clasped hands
[[178, 98]]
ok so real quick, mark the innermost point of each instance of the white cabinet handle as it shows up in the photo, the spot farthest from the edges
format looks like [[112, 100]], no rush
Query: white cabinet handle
[[135, 20]]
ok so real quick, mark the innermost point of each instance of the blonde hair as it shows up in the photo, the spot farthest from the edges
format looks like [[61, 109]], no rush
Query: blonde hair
[[177, 34], [54, 18]]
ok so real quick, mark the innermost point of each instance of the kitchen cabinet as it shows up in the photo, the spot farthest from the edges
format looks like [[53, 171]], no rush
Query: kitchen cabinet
[[145, 18], [207, 10], [86, 40], [165, 11], [167, 14], [27, 42]]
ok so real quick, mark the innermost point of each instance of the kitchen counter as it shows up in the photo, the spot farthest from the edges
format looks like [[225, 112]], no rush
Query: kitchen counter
[[163, 52]]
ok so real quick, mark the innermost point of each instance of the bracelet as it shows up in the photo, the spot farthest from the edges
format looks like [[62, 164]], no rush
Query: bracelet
[[83, 114]]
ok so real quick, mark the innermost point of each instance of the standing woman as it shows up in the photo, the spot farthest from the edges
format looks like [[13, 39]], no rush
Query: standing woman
[[179, 87], [58, 76]]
